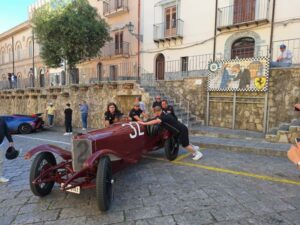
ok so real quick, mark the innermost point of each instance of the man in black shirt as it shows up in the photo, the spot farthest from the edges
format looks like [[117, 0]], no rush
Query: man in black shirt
[[167, 109], [4, 133], [157, 102], [68, 120], [135, 113], [176, 128]]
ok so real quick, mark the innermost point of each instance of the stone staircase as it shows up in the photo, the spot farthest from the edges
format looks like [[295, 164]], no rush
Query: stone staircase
[[180, 110], [285, 132]]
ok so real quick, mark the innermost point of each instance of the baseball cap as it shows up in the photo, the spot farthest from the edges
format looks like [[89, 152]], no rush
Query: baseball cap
[[282, 46]]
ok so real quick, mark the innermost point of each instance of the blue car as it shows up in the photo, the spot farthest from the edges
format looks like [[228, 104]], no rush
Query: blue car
[[23, 124]]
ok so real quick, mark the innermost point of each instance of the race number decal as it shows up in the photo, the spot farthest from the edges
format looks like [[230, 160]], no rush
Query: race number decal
[[136, 131]]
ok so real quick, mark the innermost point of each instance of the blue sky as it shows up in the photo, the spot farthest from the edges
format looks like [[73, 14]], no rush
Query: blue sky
[[13, 12]]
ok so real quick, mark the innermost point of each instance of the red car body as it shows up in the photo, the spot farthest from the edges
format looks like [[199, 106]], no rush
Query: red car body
[[120, 145]]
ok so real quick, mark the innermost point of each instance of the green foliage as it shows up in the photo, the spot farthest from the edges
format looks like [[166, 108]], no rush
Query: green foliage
[[69, 30]]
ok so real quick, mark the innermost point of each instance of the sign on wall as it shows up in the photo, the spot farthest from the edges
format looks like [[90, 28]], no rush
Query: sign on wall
[[251, 74]]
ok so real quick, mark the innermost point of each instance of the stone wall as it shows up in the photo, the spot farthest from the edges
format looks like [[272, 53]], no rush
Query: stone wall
[[284, 94], [31, 101]]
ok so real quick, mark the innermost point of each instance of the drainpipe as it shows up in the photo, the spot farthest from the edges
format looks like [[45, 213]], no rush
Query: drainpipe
[[13, 54], [33, 71], [272, 29], [139, 38], [215, 31]]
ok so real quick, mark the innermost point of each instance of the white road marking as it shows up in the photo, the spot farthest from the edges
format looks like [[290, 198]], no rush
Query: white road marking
[[45, 140]]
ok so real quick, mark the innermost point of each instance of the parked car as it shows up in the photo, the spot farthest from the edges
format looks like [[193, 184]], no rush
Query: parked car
[[23, 124], [95, 157]]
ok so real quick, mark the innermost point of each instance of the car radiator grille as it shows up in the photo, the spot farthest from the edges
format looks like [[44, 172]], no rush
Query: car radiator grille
[[81, 151]]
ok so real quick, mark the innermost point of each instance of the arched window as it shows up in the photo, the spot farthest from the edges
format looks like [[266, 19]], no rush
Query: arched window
[[243, 48], [18, 51], [2, 56], [30, 48], [9, 54], [99, 71]]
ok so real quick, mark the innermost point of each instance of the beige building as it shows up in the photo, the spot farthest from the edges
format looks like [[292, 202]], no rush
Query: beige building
[[19, 54], [118, 60]]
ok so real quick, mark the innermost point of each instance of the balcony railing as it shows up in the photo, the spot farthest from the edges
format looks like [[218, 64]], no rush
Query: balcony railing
[[252, 12], [114, 7], [115, 49], [247, 52], [166, 31]]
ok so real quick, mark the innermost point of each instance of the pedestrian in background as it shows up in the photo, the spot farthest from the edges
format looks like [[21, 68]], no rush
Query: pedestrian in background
[[141, 103], [68, 119], [9, 77], [50, 111], [4, 133], [84, 110]]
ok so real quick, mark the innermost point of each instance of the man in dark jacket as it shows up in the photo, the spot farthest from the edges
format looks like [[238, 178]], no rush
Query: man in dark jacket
[[4, 133], [243, 75], [68, 119], [168, 109]]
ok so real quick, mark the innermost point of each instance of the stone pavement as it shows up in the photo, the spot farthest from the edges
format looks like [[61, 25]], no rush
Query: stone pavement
[[159, 192]]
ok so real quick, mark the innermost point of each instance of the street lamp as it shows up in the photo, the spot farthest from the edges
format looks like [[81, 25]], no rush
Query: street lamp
[[130, 28]]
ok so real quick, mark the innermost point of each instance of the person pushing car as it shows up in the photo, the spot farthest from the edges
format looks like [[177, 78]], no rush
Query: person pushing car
[[4, 133], [171, 124]]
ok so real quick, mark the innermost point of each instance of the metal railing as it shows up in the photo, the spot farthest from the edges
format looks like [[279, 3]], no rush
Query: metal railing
[[167, 30], [114, 6], [243, 13], [292, 45], [189, 66], [115, 49], [247, 52]]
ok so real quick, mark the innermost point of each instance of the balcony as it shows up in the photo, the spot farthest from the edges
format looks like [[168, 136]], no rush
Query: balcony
[[243, 13], [168, 31], [113, 49], [115, 7]]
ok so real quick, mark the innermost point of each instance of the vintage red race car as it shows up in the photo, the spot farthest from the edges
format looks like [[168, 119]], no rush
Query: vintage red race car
[[95, 157]]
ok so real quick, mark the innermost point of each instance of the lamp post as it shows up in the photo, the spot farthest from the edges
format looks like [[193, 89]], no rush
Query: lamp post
[[139, 37]]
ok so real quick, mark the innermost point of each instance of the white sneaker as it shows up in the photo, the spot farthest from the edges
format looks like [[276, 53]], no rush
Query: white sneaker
[[198, 155], [196, 148], [83, 128], [3, 180], [65, 134]]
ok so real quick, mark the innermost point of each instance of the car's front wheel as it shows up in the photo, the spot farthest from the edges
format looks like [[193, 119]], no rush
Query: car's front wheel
[[42, 162], [25, 128], [104, 182]]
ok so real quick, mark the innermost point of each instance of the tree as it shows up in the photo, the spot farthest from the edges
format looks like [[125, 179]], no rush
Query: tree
[[69, 30]]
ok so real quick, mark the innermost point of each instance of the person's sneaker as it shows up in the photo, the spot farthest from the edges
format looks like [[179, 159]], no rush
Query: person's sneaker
[[3, 180], [83, 128], [196, 148], [70, 133], [198, 155], [66, 134]]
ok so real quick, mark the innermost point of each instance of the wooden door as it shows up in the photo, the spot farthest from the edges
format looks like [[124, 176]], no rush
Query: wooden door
[[170, 21], [113, 72], [243, 11], [160, 67], [119, 43]]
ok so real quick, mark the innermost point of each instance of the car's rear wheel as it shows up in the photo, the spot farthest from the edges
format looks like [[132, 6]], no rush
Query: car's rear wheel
[[25, 128], [171, 148], [104, 184], [42, 161]]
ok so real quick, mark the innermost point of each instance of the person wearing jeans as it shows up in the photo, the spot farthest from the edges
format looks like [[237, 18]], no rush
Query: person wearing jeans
[[50, 114], [4, 133], [84, 110]]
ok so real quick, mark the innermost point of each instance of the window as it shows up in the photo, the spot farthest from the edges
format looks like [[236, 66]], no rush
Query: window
[[119, 43], [243, 48], [9, 54], [184, 64], [18, 51], [170, 21], [30, 48], [244, 11], [119, 4], [113, 72], [2, 57]]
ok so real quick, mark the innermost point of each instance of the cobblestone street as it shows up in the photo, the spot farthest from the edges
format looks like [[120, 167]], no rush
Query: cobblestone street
[[155, 191]]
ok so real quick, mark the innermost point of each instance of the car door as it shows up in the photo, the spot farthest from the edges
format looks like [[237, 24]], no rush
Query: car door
[[11, 124]]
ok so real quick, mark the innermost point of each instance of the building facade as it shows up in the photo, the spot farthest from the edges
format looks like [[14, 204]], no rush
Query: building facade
[[181, 37]]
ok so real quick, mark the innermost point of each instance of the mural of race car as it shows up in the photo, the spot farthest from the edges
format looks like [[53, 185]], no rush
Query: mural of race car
[[23, 124]]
